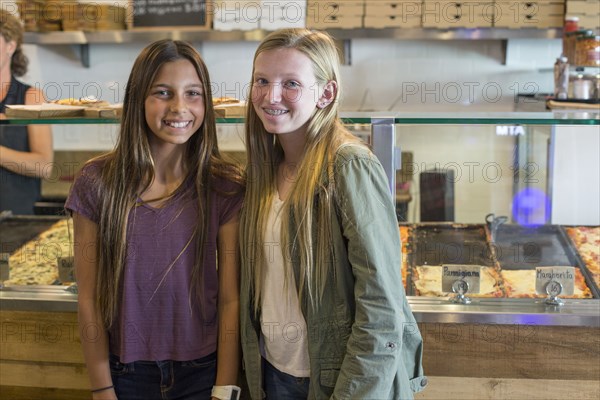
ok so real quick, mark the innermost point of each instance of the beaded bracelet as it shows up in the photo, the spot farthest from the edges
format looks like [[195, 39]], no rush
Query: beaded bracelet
[[102, 389]]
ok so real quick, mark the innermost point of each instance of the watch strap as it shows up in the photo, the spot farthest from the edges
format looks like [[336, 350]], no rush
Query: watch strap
[[228, 392]]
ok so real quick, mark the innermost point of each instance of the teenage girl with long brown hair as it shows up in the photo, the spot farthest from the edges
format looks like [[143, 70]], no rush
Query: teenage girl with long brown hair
[[156, 248]]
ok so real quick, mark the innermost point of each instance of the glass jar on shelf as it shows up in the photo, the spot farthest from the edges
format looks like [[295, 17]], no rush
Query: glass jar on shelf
[[587, 50], [581, 85]]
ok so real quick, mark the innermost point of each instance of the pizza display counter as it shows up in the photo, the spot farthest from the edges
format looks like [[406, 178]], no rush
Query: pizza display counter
[[509, 342]]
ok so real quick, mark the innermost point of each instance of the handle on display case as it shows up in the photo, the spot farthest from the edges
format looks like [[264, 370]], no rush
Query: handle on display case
[[383, 143], [494, 223]]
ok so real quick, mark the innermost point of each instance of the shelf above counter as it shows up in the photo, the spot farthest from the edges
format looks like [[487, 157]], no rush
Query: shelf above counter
[[85, 39], [382, 117], [195, 35]]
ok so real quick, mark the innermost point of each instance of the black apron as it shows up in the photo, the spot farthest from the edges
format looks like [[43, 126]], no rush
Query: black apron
[[18, 193]]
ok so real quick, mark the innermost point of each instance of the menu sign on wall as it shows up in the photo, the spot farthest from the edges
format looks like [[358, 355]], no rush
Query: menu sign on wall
[[171, 13]]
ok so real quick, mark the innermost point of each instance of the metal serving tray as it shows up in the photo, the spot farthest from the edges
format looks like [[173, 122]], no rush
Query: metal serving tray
[[15, 231], [447, 243], [521, 247], [437, 244]]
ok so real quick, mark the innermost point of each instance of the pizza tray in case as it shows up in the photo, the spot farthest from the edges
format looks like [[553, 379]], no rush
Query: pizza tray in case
[[572, 248], [448, 243], [15, 231], [527, 247], [437, 244]]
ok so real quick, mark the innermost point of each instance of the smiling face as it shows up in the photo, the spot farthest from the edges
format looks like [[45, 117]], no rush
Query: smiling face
[[285, 93], [175, 107]]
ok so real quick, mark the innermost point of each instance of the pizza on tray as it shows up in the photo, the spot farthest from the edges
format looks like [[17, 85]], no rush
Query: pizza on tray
[[82, 102], [427, 280], [520, 283], [404, 237], [587, 243], [36, 262]]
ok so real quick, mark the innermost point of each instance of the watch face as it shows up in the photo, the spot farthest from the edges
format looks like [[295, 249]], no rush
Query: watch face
[[235, 394]]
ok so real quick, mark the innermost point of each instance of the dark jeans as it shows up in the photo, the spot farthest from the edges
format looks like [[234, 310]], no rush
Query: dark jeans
[[279, 385], [164, 380]]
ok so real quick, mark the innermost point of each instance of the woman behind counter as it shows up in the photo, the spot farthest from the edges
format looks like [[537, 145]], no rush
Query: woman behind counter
[[25, 151]]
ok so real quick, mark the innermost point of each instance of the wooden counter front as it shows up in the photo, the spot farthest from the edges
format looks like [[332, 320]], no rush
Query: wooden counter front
[[41, 358], [510, 362]]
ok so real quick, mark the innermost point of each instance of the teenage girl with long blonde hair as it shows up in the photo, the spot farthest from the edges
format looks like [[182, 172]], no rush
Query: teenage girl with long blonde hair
[[323, 310]]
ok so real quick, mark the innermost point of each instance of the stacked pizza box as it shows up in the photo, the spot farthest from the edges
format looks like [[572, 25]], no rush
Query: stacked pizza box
[[517, 14], [339, 14], [241, 15], [394, 14], [588, 12], [41, 15], [55, 15], [285, 14], [73, 17], [458, 14], [110, 17]]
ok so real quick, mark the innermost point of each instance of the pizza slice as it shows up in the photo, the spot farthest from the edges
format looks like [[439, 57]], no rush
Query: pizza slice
[[587, 244], [404, 238], [36, 262], [427, 280], [520, 283]]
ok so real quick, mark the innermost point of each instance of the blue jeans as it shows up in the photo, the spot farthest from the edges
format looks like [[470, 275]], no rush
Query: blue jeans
[[279, 385], [164, 380]]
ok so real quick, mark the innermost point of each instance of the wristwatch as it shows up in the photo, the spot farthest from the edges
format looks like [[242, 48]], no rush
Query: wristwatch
[[229, 392]]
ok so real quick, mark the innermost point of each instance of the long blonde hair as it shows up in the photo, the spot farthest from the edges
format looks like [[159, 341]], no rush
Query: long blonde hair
[[325, 134], [128, 170]]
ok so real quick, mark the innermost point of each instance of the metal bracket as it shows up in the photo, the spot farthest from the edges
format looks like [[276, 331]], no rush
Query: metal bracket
[[383, 143]]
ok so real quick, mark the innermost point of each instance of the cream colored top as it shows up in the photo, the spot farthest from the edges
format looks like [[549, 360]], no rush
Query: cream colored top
[[284, 334]]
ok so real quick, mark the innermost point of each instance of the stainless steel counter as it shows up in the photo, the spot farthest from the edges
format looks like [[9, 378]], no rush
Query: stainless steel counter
[[48, 298], [429, 310], [507, 312]]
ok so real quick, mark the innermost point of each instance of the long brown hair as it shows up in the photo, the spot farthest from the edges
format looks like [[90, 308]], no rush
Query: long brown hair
[[128, 170], [325, 135], [11, 29]]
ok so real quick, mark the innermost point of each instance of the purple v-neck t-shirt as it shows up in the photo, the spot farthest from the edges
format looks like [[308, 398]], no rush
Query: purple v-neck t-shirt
[[157, 317]]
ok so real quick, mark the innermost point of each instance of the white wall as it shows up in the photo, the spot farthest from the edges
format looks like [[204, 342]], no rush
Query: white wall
[[420, 75], [576, 180], [425, 75]]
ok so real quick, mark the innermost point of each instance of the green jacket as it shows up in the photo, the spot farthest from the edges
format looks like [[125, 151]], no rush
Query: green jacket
[[364, 342]]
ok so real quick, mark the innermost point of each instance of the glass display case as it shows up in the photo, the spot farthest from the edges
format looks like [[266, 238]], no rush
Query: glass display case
[[480, 189], [499, 216]]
